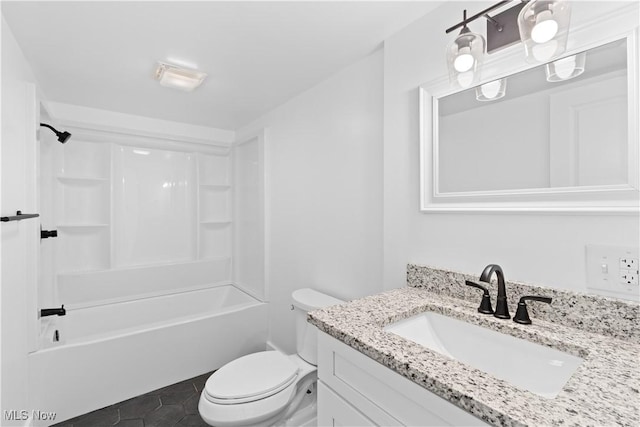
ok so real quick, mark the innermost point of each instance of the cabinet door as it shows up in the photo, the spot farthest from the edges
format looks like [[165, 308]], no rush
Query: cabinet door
[[385, 396], [337, 412]]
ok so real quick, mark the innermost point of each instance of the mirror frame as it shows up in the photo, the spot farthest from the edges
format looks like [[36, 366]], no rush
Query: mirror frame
[[612, 199]]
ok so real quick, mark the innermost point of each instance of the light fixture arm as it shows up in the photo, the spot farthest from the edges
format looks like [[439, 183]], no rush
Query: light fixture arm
[[464, 29], [481, 14], [498, 26]]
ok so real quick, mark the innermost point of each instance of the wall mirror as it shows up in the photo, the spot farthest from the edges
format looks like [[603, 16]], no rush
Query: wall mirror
[[560, 136]]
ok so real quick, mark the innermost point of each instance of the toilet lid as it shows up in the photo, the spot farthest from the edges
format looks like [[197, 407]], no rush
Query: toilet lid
[[251, 377]]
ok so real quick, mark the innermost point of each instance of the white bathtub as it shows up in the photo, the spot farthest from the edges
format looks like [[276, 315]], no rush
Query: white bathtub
[[113, 352]]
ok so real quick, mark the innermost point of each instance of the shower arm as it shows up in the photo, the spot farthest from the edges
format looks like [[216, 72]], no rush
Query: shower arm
[[50, 127]]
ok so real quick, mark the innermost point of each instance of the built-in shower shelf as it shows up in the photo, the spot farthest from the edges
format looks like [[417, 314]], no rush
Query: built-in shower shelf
[[99, 192], [81, 225], [216, 186], [69, 178]]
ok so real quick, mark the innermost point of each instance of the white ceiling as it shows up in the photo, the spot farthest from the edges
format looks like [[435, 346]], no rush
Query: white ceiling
[[257, 54]]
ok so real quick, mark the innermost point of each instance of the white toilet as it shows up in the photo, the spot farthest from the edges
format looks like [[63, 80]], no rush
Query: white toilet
[[263, 388]]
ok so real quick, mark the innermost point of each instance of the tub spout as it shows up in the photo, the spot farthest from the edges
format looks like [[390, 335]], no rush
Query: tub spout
[[53, 311]]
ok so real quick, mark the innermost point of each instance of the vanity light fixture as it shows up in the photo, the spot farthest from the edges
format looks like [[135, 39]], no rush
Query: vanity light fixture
[[566, 68], [541, 25], [179, 77], [464, 56], [492, 91]]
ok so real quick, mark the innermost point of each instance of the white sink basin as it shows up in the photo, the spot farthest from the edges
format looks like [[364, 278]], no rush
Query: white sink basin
[[533, 367]]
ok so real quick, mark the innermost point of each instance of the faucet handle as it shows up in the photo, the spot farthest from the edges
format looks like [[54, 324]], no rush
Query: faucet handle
[[485, 304], [522, 315]]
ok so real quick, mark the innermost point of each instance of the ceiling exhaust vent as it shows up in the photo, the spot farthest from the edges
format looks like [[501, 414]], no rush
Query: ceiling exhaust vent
[[179, 77]]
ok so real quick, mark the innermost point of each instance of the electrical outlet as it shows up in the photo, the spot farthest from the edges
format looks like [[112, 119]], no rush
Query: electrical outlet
[[628, 263], [613, 270], [628, 277]]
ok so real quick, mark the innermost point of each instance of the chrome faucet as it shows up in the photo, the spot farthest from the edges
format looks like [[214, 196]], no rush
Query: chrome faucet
[[502, 309]]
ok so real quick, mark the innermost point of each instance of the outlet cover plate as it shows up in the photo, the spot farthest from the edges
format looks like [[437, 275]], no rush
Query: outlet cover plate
[[604, 272]]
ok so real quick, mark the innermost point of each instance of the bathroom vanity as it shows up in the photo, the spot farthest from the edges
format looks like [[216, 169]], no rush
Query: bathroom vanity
[[370, 375], [355, 390]]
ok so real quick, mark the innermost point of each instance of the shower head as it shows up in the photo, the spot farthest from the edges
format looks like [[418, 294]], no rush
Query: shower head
[[62, 136]]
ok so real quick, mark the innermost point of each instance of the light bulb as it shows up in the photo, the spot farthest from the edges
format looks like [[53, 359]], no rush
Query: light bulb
[[464, 61], [490, 90], [545, 29]]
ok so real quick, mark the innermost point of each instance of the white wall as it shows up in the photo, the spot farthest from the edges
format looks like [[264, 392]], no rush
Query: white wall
[[544, 249], [248, 216], [324, 176], [18, 238]]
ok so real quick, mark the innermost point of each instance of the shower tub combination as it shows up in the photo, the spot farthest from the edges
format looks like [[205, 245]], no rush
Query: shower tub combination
[[159, 282], [112, 352]]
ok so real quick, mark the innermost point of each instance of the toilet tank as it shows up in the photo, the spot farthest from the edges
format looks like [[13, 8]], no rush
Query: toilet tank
[[304, 301]]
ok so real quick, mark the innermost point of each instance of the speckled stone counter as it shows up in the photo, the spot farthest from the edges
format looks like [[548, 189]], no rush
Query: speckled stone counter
[[605, 390], [592, 313]]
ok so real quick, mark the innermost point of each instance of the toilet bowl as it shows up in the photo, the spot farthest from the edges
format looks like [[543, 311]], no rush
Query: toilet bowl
[[261, 389], [256, 389]]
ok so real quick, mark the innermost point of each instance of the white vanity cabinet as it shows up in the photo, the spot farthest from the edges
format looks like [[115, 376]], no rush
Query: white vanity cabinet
[[355, 390]]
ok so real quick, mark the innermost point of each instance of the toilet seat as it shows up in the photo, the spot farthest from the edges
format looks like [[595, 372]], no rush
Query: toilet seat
[[250, 378], [239, 402]]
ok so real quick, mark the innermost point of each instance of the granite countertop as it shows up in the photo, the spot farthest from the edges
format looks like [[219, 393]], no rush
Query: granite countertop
[[603, 391]]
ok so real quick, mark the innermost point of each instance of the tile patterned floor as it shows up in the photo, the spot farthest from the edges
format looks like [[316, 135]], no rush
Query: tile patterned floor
[[172, 406]]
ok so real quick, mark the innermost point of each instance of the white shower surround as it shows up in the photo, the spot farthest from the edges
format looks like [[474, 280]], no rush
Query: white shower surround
[[121, 204], [113, 352], [142, 313]]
